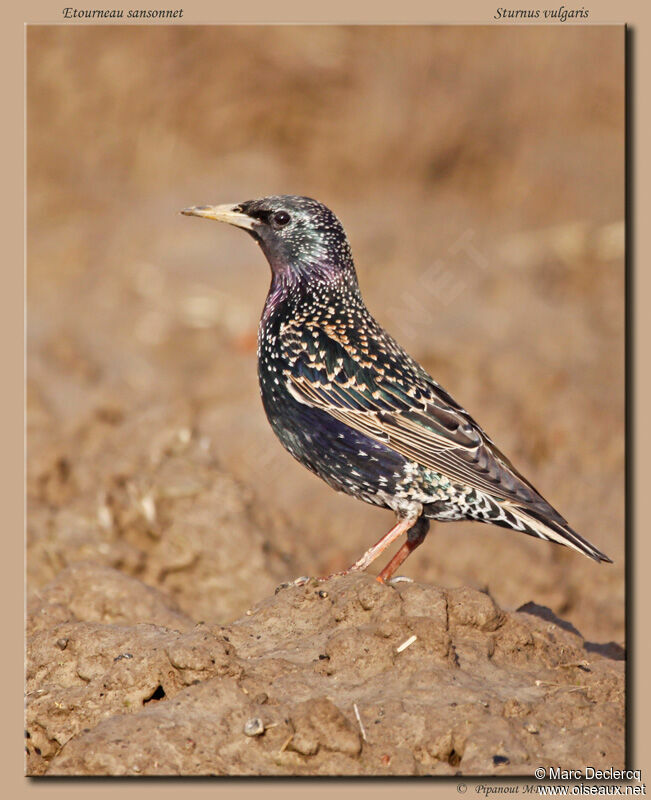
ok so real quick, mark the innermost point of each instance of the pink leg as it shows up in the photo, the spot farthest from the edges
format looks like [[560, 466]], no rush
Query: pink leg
[[408, 547], [401, 526]]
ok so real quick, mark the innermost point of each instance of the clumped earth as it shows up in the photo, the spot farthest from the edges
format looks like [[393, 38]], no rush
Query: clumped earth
[[312, 680], [161, 509], [135, 665]]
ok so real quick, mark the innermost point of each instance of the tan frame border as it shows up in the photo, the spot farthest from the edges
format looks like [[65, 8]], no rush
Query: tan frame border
[[637, 15]]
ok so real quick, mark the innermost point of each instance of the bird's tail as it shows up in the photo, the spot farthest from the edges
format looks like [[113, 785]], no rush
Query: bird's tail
[[556, 530]]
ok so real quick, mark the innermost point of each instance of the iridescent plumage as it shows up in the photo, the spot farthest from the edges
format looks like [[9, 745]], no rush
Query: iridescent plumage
[[352, 406]]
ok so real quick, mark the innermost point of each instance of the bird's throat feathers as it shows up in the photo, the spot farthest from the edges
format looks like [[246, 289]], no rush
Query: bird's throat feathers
[[307, 274], [298, 282]]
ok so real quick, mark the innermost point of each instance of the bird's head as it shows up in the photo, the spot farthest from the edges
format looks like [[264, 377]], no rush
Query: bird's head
[[301, 238]]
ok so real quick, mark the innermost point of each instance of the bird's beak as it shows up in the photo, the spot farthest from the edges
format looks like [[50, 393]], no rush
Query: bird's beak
[[226, 213]]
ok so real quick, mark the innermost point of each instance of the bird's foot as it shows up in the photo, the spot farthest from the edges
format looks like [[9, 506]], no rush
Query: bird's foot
[[298, 582], [304, 579]]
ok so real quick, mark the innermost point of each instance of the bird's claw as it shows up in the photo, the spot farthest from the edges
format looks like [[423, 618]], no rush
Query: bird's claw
[[304, 579], [298, 582]]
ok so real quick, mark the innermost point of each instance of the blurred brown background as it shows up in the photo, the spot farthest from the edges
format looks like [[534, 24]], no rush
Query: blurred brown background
[[479, 173]]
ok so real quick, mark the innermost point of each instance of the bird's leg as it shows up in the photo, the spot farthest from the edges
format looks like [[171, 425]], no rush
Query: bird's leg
[[415, 537], [404, 525], [372, 553]]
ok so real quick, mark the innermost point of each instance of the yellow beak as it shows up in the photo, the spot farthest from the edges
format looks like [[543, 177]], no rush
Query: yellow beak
[[226, 213]]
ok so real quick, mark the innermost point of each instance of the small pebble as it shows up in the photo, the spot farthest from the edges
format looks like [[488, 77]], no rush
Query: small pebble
[[531, 728], [184, 434], [499, 760], [62, 644], [261, 698], [323, 593], [254, 727], [123, 655], [148, 507]]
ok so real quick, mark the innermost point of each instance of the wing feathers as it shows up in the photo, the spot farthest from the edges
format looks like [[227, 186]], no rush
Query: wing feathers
[[414, 416], [558, 532]]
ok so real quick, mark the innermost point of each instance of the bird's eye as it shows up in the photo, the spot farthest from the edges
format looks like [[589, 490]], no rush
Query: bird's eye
[[281, 218]]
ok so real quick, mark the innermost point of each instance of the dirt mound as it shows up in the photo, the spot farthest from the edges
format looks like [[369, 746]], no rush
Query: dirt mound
[[145, 494], [342, 677]]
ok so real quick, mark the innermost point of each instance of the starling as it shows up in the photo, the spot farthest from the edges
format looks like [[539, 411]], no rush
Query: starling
[[353, 407]]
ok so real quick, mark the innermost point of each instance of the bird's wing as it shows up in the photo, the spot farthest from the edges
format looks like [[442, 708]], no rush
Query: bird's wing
[[383, 393]]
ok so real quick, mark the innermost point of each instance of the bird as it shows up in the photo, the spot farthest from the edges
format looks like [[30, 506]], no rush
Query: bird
[[351, 405]]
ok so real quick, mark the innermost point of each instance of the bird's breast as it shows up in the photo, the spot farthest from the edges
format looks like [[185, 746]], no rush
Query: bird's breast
[[345, 458]]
